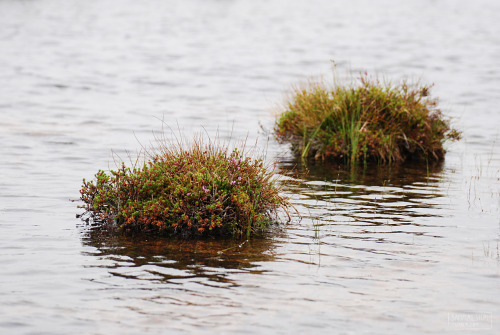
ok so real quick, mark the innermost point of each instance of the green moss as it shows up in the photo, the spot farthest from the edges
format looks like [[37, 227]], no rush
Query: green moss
[[370, 121]]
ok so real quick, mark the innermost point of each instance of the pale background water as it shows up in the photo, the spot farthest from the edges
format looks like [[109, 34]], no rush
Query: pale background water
[[400, 251]]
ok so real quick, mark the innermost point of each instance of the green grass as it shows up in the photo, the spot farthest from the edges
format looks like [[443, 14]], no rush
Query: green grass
[[196, 190], [363, 122]]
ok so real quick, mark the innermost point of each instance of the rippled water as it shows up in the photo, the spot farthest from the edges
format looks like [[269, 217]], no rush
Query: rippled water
[[400, 250]]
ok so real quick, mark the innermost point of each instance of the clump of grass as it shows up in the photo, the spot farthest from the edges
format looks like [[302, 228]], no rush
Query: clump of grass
[[367, 121], [198, 190]]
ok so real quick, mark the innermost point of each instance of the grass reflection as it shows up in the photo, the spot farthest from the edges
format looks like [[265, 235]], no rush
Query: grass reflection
[[359, 203], [173, 260], [369, 175]]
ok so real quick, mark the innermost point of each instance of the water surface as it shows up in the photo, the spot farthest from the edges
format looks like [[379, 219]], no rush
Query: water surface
[[399, 250]]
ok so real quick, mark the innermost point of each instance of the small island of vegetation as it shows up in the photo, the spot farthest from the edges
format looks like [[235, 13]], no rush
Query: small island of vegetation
[[201, 190], [367, 122]]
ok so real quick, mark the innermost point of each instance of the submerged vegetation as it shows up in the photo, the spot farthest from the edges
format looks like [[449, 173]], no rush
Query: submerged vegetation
[[203, 189], [370, 121]]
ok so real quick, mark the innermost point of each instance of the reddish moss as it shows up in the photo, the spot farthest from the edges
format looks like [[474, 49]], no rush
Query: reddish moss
[[197, 191]]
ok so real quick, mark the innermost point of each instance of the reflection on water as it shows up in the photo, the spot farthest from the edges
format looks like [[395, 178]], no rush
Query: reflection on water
[[370, 195], [175, 260], [374, 209], [372, 174]]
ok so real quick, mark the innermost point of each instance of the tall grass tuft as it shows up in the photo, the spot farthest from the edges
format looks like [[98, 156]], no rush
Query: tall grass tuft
[[365, 121], [188, 190]]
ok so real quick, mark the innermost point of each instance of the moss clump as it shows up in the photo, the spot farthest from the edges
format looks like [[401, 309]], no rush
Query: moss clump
[[201, 190], [370, 121]]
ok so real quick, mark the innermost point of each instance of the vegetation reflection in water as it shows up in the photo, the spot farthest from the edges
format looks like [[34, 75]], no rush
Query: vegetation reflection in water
[[358, 203], [170, 260]]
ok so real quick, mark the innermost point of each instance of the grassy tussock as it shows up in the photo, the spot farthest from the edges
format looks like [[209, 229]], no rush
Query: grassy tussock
[[370, 121], [202, 189]]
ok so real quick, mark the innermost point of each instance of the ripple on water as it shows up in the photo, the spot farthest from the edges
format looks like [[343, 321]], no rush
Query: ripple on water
[[378, 250]]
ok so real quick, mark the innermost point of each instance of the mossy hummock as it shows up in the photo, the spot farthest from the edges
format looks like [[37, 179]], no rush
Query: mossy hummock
[[202, 190], [370, 121]]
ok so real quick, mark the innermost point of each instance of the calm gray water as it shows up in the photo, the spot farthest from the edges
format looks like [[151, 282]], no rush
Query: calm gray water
[[412, 250]]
